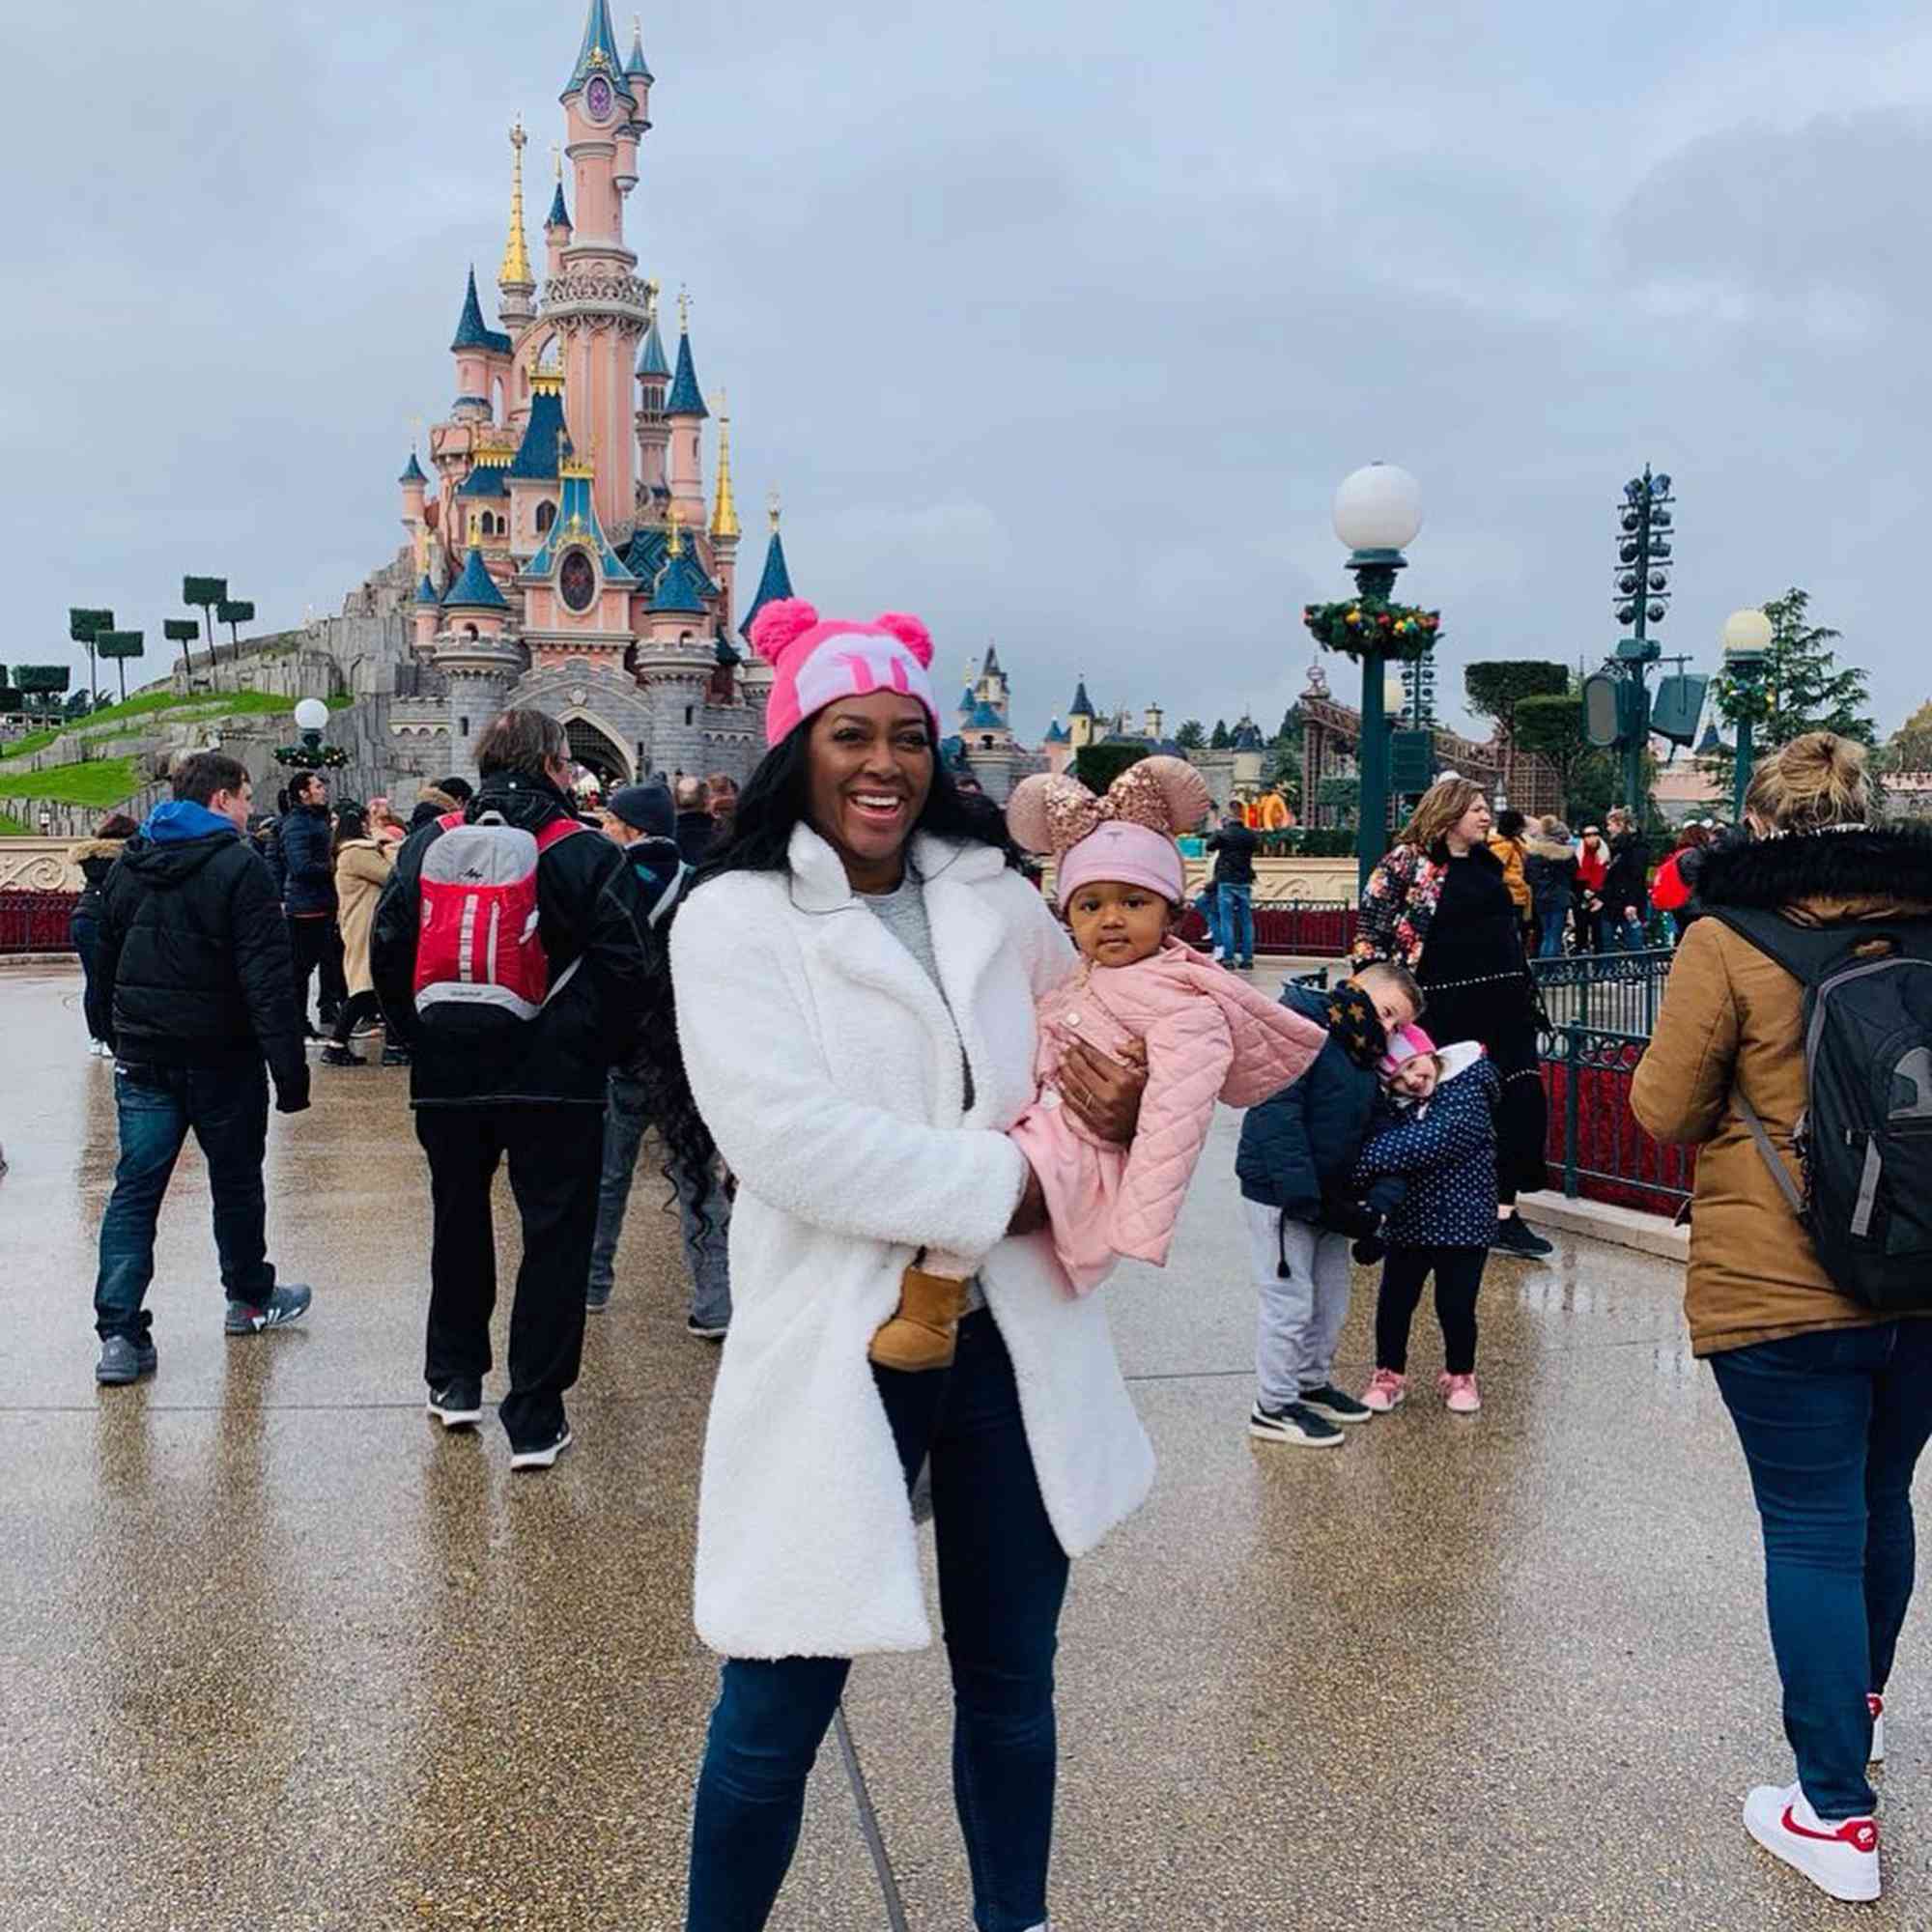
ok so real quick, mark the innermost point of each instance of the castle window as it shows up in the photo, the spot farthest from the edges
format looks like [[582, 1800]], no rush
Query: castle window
[[546, 516], [690, 714], [577, 582]]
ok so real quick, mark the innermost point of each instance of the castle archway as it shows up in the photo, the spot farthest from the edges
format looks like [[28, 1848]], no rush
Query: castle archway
[[597, 751]]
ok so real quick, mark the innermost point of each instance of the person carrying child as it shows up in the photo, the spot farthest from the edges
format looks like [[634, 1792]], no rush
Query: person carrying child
[[1437, 1133], [1206, 1035], [1295, 1165]]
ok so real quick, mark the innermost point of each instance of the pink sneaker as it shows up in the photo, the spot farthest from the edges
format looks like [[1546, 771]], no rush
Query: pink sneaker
[[1458, 1392], [1386, 1390]]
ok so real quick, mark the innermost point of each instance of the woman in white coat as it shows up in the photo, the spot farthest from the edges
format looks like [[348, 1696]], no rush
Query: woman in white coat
[[856, 977]]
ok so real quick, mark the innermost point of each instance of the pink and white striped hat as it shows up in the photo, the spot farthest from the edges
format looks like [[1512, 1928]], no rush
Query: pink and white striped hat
[[819, 661]]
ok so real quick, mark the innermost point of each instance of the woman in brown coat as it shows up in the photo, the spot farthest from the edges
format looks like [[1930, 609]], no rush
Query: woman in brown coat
[[363, 863], [1833, 1401]]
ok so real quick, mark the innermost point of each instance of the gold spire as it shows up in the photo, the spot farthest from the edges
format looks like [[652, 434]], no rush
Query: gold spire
[[724, 512], [772, 509], [515, 274], [674, 517]]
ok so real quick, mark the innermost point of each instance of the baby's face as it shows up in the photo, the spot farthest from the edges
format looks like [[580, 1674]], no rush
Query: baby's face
[[1115, 924], [1416, 1079]]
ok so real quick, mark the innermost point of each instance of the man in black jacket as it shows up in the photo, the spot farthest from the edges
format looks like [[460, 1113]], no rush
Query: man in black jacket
[[486, 1087], [1626, 883], [697, 829], [1236, 846], [192, 987], [305, 865]]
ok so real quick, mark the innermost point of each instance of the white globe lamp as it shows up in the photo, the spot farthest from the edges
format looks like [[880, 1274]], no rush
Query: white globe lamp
[[311, 715], [1746, 636], [1378, 507]]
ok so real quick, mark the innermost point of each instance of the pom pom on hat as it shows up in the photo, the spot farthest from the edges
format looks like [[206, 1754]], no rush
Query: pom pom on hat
[[782, 622], [910, 632]]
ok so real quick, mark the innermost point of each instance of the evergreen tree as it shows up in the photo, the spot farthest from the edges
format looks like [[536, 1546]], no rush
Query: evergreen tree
[[1219, 742], [1802, 688], [1909, 746], [1192, 735]]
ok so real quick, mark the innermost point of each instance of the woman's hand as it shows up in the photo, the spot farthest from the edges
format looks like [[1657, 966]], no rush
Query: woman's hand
[[1105, 1093], [1030, 1216]]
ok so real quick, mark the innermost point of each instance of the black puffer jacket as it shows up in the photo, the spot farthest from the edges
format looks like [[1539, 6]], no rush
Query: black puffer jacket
[[96, 859], [588, 907], [1235, 847], [1626, 883], [192, 967], [1549, 865], [306, 849]]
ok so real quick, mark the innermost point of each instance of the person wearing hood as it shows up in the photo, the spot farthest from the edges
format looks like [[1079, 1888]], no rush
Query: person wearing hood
[[642, 820], [433, 802], [1550, 867], [364, 859], [95, 856], [194, 988]]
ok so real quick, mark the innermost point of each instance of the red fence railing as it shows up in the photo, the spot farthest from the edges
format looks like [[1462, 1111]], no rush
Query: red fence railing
[[1296, 929], [1595, 1141], [36, 922]]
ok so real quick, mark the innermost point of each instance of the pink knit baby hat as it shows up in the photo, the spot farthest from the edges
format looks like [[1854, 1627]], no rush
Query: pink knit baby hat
[[820, 661], [1406, 1043], [1126, 836]]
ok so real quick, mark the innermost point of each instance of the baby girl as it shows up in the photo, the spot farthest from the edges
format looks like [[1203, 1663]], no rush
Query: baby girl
[[1206, 1035]]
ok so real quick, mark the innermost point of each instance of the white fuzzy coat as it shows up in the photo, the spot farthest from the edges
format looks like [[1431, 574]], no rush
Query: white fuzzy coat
[[829, 1070]]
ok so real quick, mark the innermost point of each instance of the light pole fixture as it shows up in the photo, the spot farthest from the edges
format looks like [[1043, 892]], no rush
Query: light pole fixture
[[311, 754], [1377, 512], [1748, 635]]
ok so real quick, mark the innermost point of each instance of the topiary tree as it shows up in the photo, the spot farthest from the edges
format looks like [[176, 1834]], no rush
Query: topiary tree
[[83, 627], [183, 631], [43, 686], [204, 593], [1495, 689], [1097, 766], [120, 646], [235, 612]]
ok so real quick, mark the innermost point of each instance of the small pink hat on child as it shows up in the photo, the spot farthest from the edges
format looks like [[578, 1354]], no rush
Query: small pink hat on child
[[1406, 1043], [1126, 837]]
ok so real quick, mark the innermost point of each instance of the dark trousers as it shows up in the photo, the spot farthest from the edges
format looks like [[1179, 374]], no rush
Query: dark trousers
[[554, 1154], [1553, 923], [85, 932], [226, 1107], [1459, 1280], [1001, 1580], [356, 1007], [1833, 1425], [317, 946]]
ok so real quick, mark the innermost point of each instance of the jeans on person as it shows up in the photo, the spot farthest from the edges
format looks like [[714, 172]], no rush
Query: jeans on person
[[1301, 1311], [1238, 922], [1459, 1280], [1831, 1424], [1001, 1581], [226, 1107], [552, 1150], [315, 943], [1208, 906], [84, 929], [1554, 922], [707, 1244]]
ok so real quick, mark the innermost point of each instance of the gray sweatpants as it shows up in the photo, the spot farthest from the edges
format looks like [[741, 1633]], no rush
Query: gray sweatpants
[[1301, 1316]]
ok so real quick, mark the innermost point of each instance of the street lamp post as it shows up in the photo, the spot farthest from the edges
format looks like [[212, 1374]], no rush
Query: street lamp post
[[1746, 654], [1378, 513]]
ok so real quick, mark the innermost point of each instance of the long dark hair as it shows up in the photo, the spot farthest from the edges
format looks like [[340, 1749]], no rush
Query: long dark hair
[[659, 1060], [351, 822], [772, 805]]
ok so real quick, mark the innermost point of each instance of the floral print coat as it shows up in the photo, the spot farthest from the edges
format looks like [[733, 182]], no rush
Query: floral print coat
[[1397, 908]]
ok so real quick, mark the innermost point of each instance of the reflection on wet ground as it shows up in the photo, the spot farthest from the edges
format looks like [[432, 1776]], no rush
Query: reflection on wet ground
[[273, 1653]]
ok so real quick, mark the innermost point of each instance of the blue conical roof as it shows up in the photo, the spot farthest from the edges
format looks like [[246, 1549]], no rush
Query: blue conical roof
[[536, 454], [635, 68], [471, 331], [559, 216], [682, 587], [426, 591], [651, 356], [684, 399], [774, 584], [1081, 706], [1057, 733], [599, 53], [986, 719], [473, 589], [414, 473]]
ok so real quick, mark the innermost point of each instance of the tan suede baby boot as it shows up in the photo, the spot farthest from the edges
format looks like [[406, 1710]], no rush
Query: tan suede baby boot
[[925, 1331]]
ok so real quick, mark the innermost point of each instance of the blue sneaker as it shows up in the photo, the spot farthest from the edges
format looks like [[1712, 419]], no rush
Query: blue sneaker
[[285, 1305]]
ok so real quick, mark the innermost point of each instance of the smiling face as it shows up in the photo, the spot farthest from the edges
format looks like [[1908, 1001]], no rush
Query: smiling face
[[1416, 1079], [869, 773], [1116, 925]]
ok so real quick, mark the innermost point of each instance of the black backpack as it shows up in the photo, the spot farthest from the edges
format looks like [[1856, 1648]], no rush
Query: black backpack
[[1866, 1135]]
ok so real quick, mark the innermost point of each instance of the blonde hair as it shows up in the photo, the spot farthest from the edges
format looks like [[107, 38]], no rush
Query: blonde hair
[[1814, 781], [1441, 808]]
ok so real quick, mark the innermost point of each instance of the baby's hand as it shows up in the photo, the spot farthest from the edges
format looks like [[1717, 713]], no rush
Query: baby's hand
[[1134, 1053]]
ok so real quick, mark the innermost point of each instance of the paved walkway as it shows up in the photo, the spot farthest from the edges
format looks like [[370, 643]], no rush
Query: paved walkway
[[273, 1654]]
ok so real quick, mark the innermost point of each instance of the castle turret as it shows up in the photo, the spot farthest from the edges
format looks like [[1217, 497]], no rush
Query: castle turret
[[775, 582], [653, 431], [685, 411], [482, 354], [1080, 721], [725, 529], [416, 486], [515, 284], [638, 78], [556, 225]]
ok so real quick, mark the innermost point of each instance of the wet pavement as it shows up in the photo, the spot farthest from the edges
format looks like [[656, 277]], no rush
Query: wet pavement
[[276, 1653]]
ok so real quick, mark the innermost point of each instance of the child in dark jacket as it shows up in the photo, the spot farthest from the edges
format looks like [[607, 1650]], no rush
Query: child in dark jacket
[[1295, 1167], [1436, 1130]]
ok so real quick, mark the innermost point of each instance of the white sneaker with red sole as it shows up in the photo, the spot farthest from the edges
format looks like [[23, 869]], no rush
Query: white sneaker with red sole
[[1877, 1704], [1839, 1857]]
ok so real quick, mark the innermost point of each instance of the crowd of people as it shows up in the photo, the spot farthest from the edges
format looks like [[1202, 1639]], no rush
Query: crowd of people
[[913, 1112]]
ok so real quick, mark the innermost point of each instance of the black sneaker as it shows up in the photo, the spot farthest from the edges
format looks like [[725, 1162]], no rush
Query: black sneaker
[[362, 1028], [123, 1361], [340, 1056], [542, 1455], [285, 1305], [1296, 1424], [705, 1331], [1333, 1405], [597, 1296], [395, 1056], [1516, 1237], [457, 1405]]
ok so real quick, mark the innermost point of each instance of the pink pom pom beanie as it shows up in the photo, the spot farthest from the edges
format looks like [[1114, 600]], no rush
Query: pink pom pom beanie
[[818, 661]]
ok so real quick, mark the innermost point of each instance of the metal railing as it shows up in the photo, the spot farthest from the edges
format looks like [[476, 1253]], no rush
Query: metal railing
[[36, 922], [1291, 928], [1603, 1149], [1607, 992]]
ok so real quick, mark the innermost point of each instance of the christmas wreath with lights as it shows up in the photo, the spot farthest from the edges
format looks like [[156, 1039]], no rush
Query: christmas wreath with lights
[[1356, 624], [312, 758]]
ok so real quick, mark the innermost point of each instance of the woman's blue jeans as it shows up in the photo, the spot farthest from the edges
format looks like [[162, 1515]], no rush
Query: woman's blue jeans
[[1555, 921], [1832, 1424], [1001, 1580]]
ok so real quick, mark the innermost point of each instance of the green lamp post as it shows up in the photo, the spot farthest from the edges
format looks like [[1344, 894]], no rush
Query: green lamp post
[[1746, 658]]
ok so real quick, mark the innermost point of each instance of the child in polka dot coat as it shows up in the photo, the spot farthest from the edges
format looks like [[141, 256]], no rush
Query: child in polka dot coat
[[1437, 1131]]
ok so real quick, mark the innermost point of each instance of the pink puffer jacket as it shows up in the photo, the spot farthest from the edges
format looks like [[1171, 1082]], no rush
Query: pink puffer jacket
[[1210, 1037]]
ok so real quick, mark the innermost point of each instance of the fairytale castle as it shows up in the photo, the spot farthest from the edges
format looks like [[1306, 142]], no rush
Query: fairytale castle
[[567, 553]]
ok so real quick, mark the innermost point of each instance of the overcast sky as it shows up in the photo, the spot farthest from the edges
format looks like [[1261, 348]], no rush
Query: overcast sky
[[1055, 321]]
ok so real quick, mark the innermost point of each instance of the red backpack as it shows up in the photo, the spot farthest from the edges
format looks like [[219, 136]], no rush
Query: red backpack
[[479, 951]]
